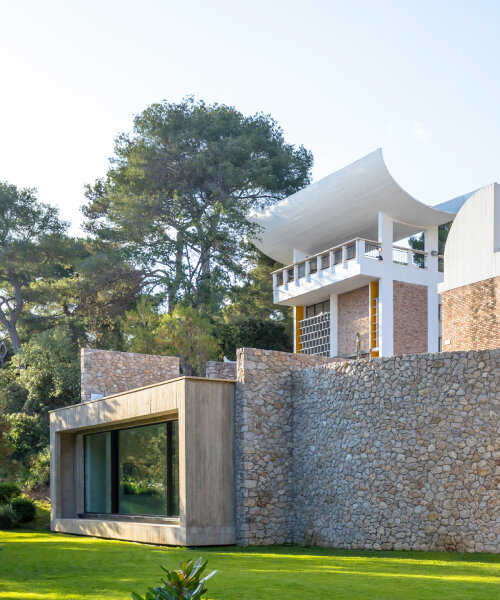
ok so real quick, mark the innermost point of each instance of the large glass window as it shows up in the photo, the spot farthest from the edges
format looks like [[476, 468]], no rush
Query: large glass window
[[98, 472], [133, 471]]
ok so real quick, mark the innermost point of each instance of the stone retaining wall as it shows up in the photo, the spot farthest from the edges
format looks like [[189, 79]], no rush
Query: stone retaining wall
[[220, 370], [264, 444], [390, 453], [106, 372]]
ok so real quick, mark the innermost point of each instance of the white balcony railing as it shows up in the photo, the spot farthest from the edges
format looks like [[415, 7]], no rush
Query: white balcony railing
[[342, 254]]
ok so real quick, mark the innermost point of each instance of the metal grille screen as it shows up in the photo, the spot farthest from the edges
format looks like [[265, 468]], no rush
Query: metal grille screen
[[315, 336]]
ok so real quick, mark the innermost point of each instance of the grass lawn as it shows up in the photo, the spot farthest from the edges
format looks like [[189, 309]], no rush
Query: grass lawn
[[38, 565]]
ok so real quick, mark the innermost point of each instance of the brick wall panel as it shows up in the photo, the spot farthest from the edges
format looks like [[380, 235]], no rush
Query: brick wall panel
[[471, 316], [410, 318]]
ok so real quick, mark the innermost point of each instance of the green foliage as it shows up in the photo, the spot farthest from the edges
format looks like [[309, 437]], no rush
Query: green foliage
[[8, 491], [32, 248], [27, 435], [39, 469], [417, 242], [180, 189], [51, 370], [140, 327], [100, 289], [253, 333], [184, 582], [24, 509], [5, 449], [13, 395], [187, 333], [7, 517], [255, 297]]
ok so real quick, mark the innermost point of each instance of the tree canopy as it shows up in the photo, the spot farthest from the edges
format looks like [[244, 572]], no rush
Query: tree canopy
[[165, 266], [180, 190]]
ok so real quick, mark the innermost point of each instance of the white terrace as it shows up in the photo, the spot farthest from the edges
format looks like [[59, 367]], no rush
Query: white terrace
[[342, 232], [349, 266]]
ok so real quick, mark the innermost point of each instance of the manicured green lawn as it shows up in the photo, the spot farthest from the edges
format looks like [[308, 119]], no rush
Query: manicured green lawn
[[36, 565]]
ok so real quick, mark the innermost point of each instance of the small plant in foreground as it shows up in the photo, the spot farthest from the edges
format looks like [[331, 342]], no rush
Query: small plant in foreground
[[183, 583], [7, 517], [24, 509]]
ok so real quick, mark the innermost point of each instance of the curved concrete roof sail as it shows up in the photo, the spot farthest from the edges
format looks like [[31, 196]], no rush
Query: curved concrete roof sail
[[341, 207]]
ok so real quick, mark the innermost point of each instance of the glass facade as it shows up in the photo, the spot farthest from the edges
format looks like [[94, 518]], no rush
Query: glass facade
[[133, 471], [317, 309], [98, 472]]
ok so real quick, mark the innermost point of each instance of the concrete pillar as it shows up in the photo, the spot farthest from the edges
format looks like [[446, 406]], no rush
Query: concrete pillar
[[385, 294], [295, 330], [386, 316], [431, 243], [385, 235], [334, 325]]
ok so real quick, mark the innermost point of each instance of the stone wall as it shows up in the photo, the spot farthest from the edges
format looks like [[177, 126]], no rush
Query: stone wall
[[353, 317], [106, 372], [398, 453], [471, 316], [264, 444], [410, 318], [220, 370]]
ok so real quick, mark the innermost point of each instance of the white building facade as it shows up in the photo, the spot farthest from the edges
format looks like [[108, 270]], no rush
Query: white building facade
[[354, 289]]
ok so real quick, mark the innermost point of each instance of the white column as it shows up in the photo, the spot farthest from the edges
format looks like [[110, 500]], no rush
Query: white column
[[334, 325], [385, 290], [295, 330], [385, 236], [386, 316], [431, 243], [432, 318]]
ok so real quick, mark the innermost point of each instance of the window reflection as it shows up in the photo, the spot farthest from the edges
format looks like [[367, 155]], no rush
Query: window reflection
[[133, 471]]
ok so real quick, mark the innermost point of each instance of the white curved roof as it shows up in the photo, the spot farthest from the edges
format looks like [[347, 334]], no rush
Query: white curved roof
[[341, 207], [472, 251]]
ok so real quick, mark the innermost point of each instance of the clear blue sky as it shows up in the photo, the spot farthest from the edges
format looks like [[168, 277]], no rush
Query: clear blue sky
[[418, 78]]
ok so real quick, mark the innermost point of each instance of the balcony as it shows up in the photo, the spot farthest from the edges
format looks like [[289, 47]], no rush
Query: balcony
[[349, 266]]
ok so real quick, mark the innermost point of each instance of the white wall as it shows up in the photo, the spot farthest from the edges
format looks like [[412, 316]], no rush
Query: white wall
[[472, 251]]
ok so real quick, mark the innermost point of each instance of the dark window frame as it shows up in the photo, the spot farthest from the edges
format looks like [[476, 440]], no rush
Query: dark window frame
[[114, 475]]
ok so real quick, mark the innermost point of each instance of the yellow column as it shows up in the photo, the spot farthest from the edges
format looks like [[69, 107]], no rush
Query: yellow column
[[373, 318], [299, 315]]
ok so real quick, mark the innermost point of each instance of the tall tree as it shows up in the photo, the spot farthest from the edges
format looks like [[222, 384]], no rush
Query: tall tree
[[31, 236], [180, 190]]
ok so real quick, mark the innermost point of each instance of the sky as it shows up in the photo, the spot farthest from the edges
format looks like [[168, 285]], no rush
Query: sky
[[418, 78]]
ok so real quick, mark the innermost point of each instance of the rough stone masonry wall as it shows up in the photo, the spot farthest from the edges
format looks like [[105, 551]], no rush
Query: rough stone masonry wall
[[410, 318], [264, 444], [398, 453], [471, 316], [107, 372], [220, 370]]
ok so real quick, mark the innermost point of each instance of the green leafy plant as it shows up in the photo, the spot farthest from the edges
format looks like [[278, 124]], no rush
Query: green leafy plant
[[184, 583], [7, 517], [8, 491], [24, 509], [39, 470]]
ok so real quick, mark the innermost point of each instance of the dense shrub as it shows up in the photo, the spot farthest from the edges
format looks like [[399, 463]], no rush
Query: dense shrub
[[24, 509], [28, 434], [8, 491], [39, 470], [253, 333], [181, 583], [7, 517]]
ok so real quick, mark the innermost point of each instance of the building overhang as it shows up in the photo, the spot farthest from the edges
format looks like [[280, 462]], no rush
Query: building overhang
[[343, 206]]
